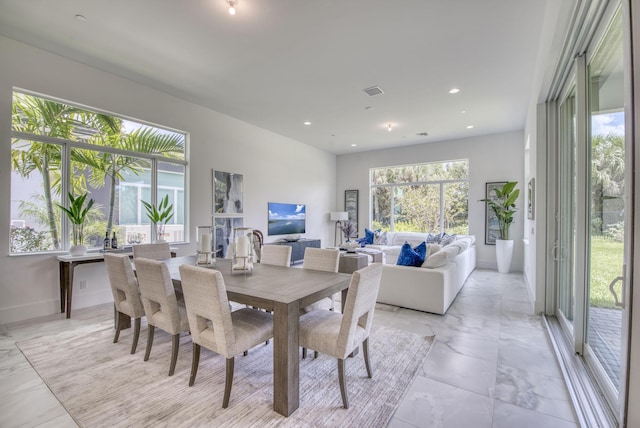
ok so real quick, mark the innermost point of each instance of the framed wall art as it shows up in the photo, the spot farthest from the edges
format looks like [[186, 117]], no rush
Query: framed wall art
[[351, 207], [491, 227], [227, 193], [531, 204]]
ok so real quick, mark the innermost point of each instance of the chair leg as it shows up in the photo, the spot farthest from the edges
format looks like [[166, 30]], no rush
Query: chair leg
[[150, 331], [194, 363], [245, 353], [365, 352], [136, 335], [117, 336], [315, 354], [304, 353], [343, 388], [175, 344], [228, 381]]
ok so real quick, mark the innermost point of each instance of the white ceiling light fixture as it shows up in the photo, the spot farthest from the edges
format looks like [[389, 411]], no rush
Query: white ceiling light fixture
[[389, 128], [470, 126], [454, 90], [307, 123], [232, 6]]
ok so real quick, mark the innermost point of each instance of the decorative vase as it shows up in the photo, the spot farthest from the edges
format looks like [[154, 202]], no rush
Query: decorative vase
[[77, 250], [504, 252]]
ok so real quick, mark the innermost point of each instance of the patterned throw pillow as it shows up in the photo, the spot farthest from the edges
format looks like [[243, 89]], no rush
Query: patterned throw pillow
[[368, 236], [433, 239], [410, 257], [379, 237], [448, 239]]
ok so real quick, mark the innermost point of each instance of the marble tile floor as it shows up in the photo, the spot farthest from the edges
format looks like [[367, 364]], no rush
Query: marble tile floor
[[492, 364]]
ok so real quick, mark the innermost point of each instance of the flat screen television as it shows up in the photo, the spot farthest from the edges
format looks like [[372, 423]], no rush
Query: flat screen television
[[286, 219]]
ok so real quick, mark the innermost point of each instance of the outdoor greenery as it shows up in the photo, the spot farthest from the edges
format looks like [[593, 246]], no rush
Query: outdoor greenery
[[77, 213], [91, 168], [409, 197], [606, 264]]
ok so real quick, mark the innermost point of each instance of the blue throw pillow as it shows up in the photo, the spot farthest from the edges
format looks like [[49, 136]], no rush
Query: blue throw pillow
[[421, 250], [368, 235], [409, 257]]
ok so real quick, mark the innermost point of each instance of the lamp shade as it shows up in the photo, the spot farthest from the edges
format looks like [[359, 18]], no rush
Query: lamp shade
[[339, 216]]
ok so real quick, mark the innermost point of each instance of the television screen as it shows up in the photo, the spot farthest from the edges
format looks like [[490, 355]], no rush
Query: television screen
[[286, 219]]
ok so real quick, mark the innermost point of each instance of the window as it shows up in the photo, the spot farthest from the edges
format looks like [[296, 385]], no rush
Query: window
[[58, 148], [429, 197]]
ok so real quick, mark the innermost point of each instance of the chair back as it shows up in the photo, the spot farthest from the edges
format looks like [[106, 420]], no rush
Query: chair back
[[205, 297], [258, 240], [323, 259], [277, 255], [158, 296], [156, 251], [360, 305], [124, 285]]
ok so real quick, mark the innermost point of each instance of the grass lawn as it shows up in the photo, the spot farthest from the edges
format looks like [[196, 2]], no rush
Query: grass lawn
[[606, 264]]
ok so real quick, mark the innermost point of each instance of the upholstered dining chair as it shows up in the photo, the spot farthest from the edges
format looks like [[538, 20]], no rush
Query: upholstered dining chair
[[214, 326], [339, 335], [161, 305], [126, 295], [258, 241], [323, 259], [277, 255], [155, 251]]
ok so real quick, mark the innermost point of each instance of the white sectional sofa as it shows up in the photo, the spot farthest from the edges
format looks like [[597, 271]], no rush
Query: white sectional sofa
[[429, 289]]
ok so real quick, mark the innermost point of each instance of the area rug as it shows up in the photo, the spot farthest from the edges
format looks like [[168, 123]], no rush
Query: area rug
[[101, 384]]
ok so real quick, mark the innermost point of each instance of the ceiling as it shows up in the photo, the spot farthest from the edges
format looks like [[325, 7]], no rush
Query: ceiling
[[279, 63]]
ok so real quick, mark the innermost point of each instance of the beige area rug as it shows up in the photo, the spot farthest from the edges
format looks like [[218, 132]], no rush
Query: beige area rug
[[102, 385]]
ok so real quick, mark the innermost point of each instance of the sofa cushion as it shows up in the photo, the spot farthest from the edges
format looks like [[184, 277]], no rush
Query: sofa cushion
[[432, 249], [462, 244], [436, 260], [413, 238], [410, 257]]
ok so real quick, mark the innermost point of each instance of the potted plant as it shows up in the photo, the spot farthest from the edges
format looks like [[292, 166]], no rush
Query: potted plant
[[159, 215], [77, 213], [503, 205]]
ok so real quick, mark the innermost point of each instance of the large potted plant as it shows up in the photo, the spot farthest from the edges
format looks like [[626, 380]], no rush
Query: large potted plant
[[503, 205], [159, 215], [77, 213]]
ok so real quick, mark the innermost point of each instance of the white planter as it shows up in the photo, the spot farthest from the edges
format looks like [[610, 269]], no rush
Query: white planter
[[77, 250], [504, 252]]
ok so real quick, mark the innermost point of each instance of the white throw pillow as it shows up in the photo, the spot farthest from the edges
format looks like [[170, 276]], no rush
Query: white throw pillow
[[451, 251], [432, 249], [435, 260]]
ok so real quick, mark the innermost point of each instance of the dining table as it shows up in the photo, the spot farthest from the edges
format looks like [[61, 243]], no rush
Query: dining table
[[284, 291]]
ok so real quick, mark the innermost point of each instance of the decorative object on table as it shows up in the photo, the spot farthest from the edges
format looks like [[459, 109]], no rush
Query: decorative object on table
[[350, 246], [77, 213], [531, 200], [338, 217], [351, 207], [204, 245], [348, 229], [242, 250], [159, 215], [502, 206]]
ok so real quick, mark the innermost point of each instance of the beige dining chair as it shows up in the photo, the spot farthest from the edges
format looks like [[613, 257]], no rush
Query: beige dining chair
[[323, 259], [155, 251], [276, 255], [339, 335], [214, 326], [126, 295], [161, 305]]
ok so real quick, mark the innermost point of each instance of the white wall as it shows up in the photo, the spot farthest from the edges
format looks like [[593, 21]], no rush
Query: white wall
[[491, 158], [275, 168]]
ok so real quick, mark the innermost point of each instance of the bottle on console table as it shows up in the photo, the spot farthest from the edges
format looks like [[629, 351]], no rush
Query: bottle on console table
[[107, 242], [114, 241]]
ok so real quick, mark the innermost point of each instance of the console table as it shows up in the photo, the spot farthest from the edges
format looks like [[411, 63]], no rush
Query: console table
[[68, 264], [297, 247]]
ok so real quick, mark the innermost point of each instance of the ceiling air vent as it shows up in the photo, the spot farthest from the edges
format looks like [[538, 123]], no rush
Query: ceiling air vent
[[422, 134], [374, 90]]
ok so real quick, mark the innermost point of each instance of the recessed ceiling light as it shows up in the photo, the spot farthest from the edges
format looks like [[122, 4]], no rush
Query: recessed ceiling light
[[454, 90], [463, 112], [469, 126], [307, 123], [81, 18], [354, 145]]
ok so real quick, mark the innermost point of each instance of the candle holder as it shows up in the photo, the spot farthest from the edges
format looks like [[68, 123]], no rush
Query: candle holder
[[242, 261], [204, 254]]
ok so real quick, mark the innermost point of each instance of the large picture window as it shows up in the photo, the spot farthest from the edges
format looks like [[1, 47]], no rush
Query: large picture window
[[58, 148], [428, 197]]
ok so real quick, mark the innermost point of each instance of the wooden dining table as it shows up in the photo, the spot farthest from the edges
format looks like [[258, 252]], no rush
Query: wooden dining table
[[284, 291]]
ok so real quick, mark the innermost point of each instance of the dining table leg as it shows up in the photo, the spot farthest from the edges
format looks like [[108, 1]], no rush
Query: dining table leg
[[286, 358]]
